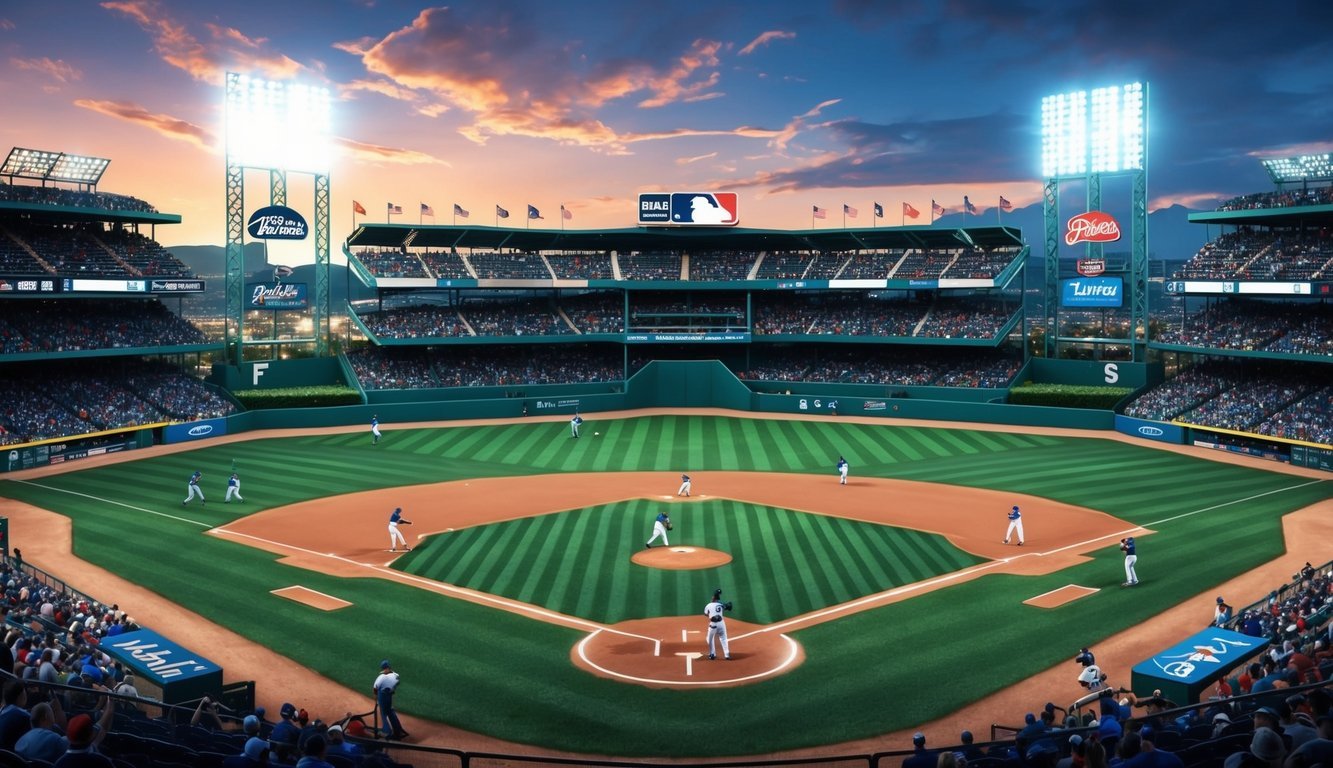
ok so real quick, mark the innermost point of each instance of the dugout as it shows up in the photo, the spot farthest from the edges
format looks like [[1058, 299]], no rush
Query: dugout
[[1184, 671], [170, 672]]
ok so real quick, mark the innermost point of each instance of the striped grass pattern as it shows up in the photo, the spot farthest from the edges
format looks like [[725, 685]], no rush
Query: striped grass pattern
[[784, 563]]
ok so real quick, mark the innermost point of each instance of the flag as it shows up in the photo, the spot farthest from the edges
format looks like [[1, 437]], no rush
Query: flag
[[847, 210], [936, 209], [821, 213], [458, 211], [502, 213], [911, 212], [426, 210], [879, 211], [395, 209], [358, 208], [533, 213], [968, 207], [565, 213], [1005, 205]]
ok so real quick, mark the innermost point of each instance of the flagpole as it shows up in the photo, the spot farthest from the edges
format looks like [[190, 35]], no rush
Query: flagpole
[[998, 222], [844, 215]]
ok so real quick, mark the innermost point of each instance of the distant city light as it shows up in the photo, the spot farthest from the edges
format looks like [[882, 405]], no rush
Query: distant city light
[[1109, 138], [1303, 168], [286, 126]]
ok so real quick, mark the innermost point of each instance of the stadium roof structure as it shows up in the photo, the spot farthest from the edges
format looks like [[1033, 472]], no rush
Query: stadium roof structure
[[1295, 216], [1285, 170], [679, 238], [45, 165]]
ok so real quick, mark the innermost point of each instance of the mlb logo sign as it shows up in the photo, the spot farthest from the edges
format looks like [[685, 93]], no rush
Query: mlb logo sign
[[704, 208]]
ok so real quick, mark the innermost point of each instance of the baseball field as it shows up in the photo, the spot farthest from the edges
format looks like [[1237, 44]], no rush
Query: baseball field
[[528, 609]]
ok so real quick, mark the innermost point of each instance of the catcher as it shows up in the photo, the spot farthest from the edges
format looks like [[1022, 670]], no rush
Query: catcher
[[660, 527], [396, 536]]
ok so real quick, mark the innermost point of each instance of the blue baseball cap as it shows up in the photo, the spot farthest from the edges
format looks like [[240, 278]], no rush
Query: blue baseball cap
[[385, 664]]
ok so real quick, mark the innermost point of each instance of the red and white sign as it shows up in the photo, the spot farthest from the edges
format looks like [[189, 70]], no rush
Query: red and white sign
[[1092, 227], [1091, 267]]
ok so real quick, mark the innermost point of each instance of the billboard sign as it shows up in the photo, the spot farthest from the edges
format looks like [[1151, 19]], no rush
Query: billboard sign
[[277, 222], [1091, 267], [1092, 227], [194, 430], [1092, 292], [277, 296], [689, 209]]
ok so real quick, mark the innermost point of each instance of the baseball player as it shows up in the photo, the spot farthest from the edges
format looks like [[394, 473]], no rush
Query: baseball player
[[842, 470], [1092, 676], [396, 536], [233, 489], [374, 430], [684, 486], [1131, 575], [717, 625], [193, 489], [1015, 525], [1222, 613], [660, 527], [385, 687], [574, 425]]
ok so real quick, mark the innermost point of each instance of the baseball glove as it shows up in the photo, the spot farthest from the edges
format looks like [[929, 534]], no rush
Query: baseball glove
[[670, 527], [727, 605]]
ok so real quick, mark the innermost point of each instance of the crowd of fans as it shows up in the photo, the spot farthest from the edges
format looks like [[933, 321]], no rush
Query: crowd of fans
[[145, 256], [585, 266], [106, 201], [514, 266], [431, 367], [860, 314], [979, 263], [785, 265], [1289, 327], [987, 369], [650, 265], [392, 263], [523, 317], [1262, 255], [1282, 198], [664, 312], [65, 325], [70, 398], [721, 265], [955, 318], [868, 265], [595, 312], [419, 322], [446, 265], [1308, 419]]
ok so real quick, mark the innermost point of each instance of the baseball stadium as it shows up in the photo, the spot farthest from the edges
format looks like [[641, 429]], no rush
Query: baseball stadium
[[947, 494]]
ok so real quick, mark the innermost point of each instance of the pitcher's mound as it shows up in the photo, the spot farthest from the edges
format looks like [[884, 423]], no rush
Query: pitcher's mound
[[680, 558]]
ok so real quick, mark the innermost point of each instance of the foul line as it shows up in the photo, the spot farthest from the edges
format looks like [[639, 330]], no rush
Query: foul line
[[117, 503], [512, 606]]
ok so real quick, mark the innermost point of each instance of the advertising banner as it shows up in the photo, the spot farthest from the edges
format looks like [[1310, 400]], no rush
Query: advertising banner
[[1184, 670], [277, 296], [194, 430], [28, 284], [1150, 430], [672, 338], [689, 209], [1092, 292], [182, 674], [277, 222]]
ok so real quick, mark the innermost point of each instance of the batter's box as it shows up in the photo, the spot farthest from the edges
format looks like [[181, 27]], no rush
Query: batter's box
[[1058, 597]]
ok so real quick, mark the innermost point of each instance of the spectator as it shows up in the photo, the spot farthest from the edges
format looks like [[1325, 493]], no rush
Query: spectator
[[921, 757], [15, 719], [314, 750], [44, 740], [84, 735]]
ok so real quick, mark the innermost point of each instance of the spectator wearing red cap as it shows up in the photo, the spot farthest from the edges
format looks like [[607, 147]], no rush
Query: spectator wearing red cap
[[84, 735]]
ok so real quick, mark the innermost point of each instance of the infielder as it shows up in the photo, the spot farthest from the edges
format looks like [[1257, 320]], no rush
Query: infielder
[[842, 470], [717, 626], [374, 430], [193, 489], [684, 486], [660, 527], [1015, 526], [233, 488], [1131, 575], [396, 536], [574, 425]]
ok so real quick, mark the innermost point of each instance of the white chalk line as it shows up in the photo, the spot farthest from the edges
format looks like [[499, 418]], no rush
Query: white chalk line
[[117, 503]]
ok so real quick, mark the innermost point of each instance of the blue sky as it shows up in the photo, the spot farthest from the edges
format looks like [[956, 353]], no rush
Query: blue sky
[[587, 104]]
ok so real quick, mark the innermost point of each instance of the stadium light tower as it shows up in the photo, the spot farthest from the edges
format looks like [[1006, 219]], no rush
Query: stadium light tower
[[1085, 136], [281, 128]]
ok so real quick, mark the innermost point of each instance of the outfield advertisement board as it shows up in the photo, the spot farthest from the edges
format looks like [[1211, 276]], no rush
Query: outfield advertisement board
[[277, 296], [1092, 292], [1150, 430], [194, 430], [30, 456], [672, 338]]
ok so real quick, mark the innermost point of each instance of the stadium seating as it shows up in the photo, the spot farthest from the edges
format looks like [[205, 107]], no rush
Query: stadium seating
[[42, 195], [61, 325], [650, 266], [586, 266]]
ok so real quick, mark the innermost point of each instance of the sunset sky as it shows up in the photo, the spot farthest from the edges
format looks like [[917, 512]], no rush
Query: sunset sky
[[587, 104]]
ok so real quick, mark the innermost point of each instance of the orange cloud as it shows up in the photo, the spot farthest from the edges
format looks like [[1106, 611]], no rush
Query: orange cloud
[[695, 159], [791, 129], [6, 25], [166, 125], [765, 39], [207, 61], [56, 69], [381, 154]]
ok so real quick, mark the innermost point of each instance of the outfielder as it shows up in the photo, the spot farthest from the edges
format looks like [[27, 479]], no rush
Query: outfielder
[[717, 625], [842, 470], [374, 430], [684, 486], [233, 488], [574, 425], [660, 527], [1131, 575], [1015, 526], [396, 536], [193, 489]]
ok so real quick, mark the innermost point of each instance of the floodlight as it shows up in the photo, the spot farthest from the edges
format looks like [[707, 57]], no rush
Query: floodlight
[[1098, 132], [1303, 168], [79, 169], [283, 126]]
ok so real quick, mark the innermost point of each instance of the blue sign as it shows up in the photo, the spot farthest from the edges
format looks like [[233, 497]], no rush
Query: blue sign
[[704, 208], [277, 296], [655, 208], [1150, 430], [157, 658], [194, 430], [277, 222], [1202, 658], [1092, 292]]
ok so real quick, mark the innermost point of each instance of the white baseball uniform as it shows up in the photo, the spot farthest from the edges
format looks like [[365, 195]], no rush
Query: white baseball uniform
[[842, 471], [660, 531], [375, 429], [1015, 526], [684, 486], [233, 488], [193, 489], [717, 628]]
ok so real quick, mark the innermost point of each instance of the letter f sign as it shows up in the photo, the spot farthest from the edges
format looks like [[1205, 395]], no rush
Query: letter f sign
[[258, 371]]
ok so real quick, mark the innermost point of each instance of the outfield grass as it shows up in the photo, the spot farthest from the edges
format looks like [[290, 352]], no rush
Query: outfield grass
[[485, 670], [784, 563]]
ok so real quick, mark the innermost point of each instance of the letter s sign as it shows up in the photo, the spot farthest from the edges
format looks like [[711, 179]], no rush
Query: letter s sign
[[1112, 372]]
